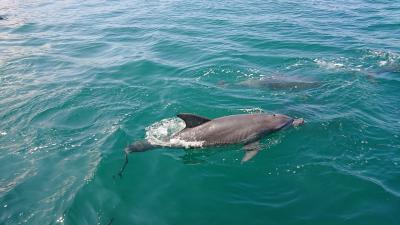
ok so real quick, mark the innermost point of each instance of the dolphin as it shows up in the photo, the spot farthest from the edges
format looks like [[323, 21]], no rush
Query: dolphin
[[200, 132], [246, 129], [278, 83]]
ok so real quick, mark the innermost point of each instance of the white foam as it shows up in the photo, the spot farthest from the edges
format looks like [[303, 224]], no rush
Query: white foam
[[328, 64], [186, 144], [383, 63], [3, 133], [252, 110], [297, 64]]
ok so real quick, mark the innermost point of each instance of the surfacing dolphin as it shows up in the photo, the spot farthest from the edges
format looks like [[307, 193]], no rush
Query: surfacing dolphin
[[246, 129]]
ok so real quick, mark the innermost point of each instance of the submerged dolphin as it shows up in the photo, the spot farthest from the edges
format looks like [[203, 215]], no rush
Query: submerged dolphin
[[245, 129], [279, 83]]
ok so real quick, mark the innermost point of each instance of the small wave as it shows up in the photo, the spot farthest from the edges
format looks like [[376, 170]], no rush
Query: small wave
[[389, 56], [372, 63], [384, 59], [19, 177]]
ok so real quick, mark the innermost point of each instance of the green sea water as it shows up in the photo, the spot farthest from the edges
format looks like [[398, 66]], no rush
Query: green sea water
[[80, 80]]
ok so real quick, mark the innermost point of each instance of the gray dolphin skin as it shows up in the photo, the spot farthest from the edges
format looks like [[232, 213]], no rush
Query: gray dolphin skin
[[245, 129], [278, 83]]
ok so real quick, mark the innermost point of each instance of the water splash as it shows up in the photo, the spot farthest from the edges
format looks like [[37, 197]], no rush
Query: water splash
[[160, 133]]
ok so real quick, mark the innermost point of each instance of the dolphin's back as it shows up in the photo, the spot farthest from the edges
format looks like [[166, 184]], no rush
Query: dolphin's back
[[227, 130]]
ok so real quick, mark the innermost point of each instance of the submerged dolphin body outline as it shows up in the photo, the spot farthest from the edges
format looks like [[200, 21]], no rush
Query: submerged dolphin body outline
[[279, 83], [246, 129]]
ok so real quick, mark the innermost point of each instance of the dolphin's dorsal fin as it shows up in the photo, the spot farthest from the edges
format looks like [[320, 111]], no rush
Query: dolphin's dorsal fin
[[192, 120]]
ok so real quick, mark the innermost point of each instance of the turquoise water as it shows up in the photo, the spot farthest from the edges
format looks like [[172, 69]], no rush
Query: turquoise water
[[79, 80]]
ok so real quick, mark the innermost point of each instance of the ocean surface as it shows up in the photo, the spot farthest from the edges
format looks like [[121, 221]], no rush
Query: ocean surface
[[80, 80]]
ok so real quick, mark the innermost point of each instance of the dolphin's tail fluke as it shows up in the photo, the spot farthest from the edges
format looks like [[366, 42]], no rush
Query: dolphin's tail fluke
[[123, 166], [138, 146]]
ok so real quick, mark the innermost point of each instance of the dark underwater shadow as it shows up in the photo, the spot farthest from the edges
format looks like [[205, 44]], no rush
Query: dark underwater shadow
[[206, 155]]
